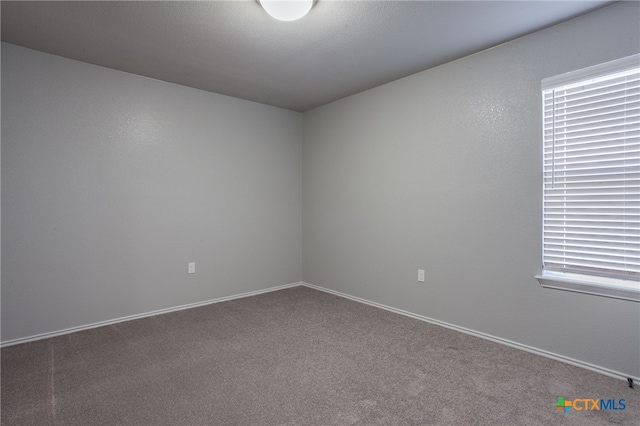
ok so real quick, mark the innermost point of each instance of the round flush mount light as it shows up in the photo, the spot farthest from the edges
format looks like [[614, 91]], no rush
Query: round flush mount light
[[287, 10]]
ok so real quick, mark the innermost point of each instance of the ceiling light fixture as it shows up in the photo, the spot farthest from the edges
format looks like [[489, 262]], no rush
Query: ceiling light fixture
[[287, 10]]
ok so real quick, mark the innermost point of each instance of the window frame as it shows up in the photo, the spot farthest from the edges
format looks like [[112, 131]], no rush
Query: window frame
[[584, 282]]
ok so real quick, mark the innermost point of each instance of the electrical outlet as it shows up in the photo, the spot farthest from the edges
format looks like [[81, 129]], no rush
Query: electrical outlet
[[192, 267], [421, 275]]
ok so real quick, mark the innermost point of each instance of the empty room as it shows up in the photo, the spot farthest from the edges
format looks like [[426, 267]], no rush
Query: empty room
[[320, 212]]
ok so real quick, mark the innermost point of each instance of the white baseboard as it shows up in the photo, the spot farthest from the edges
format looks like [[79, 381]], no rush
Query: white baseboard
[[541, 352], [143, 315], [531, 349]]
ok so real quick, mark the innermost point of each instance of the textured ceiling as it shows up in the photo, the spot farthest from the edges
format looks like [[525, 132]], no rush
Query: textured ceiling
[[235, 48]]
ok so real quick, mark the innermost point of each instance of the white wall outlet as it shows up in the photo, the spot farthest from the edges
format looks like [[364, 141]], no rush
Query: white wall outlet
[[192, 267], [421, 275]]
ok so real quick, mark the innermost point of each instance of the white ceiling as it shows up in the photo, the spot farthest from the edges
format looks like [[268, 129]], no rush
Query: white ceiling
[[235, 48]]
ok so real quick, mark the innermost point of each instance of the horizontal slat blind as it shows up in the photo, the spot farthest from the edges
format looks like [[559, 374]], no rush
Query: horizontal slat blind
[[592, 172]]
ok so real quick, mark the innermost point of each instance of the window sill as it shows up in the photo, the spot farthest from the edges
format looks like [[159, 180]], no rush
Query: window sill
[[607, 287]]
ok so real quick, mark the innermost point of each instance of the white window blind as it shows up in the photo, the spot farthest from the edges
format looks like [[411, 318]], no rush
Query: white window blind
[[592, 171]]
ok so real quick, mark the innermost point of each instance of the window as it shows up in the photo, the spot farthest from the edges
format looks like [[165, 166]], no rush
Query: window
[[591, 180]]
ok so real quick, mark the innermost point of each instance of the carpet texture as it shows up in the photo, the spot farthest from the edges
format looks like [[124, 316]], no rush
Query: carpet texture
[[292, 357]]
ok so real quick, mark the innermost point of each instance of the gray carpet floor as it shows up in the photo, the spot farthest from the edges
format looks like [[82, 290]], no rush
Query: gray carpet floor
[[292, 357]]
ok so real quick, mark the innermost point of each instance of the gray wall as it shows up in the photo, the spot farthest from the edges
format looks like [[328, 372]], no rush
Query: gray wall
[[442, 171], [112, 182]]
